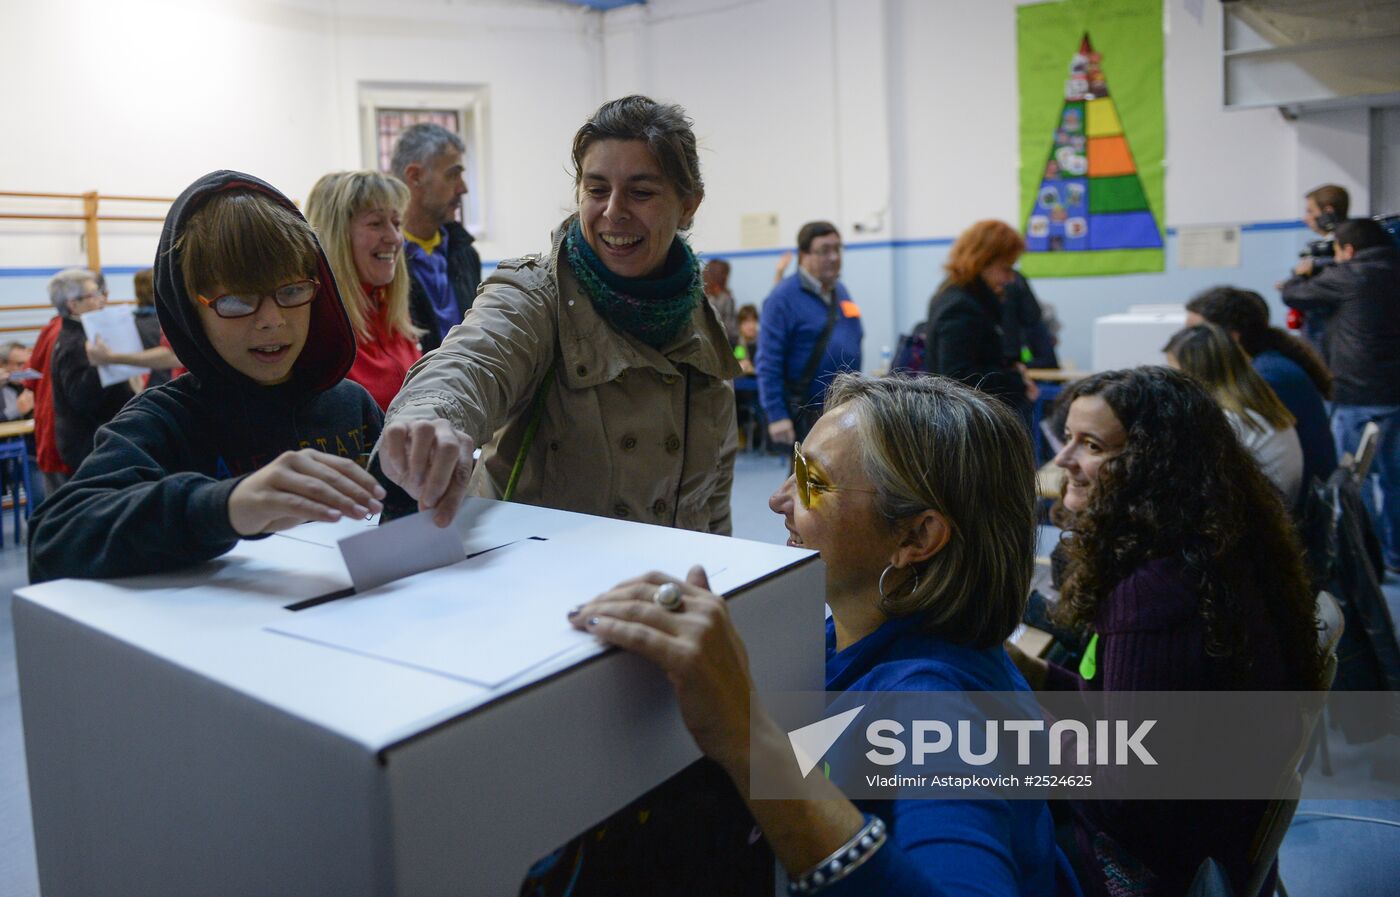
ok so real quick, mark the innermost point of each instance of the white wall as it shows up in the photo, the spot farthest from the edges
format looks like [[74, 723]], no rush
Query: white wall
[[143, 96], [843, 108], [897, 115], [1385, 161]]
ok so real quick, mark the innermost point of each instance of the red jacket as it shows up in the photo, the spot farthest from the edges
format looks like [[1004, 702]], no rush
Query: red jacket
[[382, 361], [45, 443]]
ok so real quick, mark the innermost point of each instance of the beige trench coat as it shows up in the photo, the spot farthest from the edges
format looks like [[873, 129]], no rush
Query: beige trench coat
[[626, 431]]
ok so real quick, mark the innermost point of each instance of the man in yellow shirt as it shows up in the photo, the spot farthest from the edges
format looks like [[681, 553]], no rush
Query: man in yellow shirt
[[444, 267]]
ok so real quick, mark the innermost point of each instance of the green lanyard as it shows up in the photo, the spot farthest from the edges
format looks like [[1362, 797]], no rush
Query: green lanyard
[[1089, 664], [536, 412]]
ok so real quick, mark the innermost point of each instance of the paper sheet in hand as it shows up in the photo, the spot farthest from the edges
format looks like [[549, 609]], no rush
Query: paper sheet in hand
[[117, 328], [399, 548]]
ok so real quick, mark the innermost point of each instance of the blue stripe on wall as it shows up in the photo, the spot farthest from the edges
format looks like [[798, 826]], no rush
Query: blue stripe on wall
[[50, 272], [736, 254], [893, 279]]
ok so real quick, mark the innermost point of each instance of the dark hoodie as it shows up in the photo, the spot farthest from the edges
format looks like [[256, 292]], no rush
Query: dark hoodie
[[153, 495]]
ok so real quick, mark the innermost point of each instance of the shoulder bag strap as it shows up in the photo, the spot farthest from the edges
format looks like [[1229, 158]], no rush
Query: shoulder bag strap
[[809, 373]]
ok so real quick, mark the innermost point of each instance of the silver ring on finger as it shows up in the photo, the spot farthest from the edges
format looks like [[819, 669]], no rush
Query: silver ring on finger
[[668, 597]]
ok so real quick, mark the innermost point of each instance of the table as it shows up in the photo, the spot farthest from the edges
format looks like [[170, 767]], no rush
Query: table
[[14, 448], [11, 428], [1055, 375]]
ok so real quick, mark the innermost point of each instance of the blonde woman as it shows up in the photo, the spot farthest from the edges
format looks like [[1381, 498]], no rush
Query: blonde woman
[[358, 218], [1265, 427]]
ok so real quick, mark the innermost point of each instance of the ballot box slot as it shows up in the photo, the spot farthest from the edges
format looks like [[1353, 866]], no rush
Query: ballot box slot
[[321, 599], [308, 603]]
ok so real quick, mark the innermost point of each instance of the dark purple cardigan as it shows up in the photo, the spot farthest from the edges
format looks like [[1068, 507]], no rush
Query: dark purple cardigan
[[1152, 638]]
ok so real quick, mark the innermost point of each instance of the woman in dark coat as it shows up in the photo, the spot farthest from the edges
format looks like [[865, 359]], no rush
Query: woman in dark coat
[[964, 316]]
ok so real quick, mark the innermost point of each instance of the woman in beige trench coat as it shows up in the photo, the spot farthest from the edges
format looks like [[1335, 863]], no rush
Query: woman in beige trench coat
[[595, 376]]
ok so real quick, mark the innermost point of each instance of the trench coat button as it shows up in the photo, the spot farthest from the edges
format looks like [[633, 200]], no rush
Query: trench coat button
[[629, 442], [659, 508], [673, 443], [621, 511], [670, 379], [581, 370], [554, 445]]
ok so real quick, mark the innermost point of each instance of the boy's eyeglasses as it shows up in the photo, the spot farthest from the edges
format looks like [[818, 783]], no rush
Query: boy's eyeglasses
[[805, 487], [241, 305]]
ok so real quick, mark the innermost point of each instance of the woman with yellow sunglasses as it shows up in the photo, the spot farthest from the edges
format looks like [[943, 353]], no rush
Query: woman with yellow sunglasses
[[919, 494]]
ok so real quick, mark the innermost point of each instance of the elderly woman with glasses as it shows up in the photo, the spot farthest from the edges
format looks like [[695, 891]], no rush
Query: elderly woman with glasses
[[920, 496], [81, 404]]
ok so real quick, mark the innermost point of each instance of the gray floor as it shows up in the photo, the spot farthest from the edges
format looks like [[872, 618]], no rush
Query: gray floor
[[1322, 856], [17, 874], [755, 478]]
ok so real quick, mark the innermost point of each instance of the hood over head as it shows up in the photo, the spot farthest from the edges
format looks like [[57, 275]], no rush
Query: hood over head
[[330, 342]]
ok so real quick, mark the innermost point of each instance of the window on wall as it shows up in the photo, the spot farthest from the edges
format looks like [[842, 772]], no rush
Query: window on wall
[[387, 109]]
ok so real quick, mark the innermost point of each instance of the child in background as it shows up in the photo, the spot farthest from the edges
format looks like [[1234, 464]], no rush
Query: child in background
[[265, 433], [747, 347]]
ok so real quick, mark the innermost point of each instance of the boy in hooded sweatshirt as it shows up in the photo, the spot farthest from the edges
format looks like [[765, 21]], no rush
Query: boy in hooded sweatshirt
[[262, 434]]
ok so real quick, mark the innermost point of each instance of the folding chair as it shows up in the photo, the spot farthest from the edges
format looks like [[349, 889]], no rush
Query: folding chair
[[14, 456]]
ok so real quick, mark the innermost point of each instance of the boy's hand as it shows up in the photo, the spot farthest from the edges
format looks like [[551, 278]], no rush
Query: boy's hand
[[431, 461], [301, 486]]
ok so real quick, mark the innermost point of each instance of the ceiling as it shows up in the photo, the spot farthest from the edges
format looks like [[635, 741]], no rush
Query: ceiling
[[602, 4]]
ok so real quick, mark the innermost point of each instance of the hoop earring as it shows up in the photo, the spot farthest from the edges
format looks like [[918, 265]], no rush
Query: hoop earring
[[886, 572]]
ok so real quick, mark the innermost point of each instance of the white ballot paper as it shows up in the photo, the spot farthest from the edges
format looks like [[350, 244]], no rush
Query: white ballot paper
[[117, 327], [399, 548], [503, 611]]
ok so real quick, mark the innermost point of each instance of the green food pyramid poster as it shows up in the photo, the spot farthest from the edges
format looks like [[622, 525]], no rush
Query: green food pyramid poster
[[1092, 137]]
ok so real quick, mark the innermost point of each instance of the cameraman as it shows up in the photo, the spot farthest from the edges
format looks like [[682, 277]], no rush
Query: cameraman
[[1324, 208], [1361, 293]]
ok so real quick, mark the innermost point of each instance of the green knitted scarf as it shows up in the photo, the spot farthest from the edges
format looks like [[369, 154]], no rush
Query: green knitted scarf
[[653, 309]]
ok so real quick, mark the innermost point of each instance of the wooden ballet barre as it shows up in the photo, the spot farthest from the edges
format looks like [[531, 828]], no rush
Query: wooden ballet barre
[[55, 216], [89, 216], [112, 196], [47, 307]]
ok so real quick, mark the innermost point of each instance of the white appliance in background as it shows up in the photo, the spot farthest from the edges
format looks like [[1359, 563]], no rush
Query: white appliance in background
[[1136, 336]]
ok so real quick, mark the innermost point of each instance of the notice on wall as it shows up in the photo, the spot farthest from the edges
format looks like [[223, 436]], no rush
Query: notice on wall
[[1208, 247], [759, 230]]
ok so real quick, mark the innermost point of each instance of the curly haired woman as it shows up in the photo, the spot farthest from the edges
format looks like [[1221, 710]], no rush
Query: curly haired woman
[[1183, 566]]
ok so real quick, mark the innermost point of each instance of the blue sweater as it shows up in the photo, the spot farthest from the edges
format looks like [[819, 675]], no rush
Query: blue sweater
[[946, 847], [793, 320], [1301, 397]]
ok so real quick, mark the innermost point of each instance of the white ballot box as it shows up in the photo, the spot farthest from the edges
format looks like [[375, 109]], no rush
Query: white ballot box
[[252, 726], [1135, 337]]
